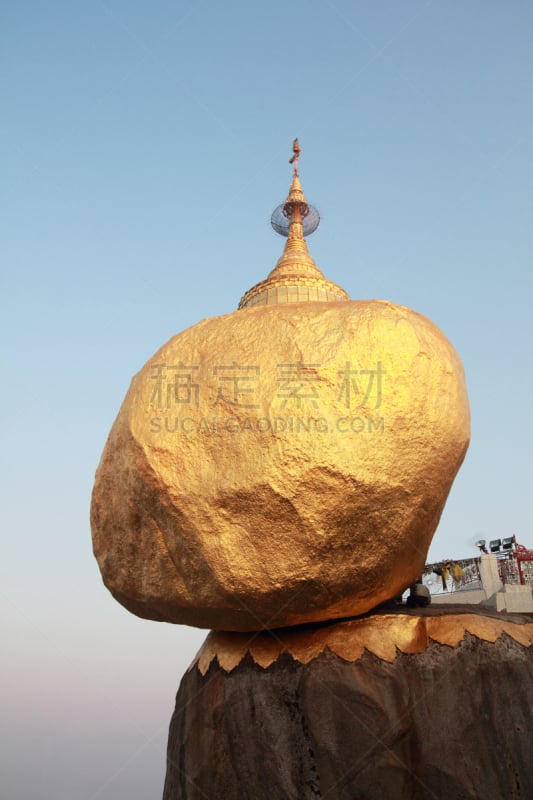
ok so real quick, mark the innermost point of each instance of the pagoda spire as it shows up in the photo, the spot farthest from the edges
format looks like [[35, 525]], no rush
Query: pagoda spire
[[296, 277]]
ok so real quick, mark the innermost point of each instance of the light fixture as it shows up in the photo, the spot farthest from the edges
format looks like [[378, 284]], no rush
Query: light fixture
[[481, 544], [495, 545], [507, 543]]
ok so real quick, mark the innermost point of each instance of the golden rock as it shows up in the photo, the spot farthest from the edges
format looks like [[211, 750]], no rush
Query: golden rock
[[283, 464]]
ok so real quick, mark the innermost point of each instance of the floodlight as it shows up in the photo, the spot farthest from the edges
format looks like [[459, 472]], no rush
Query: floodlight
[[507, 543], [495, 545]]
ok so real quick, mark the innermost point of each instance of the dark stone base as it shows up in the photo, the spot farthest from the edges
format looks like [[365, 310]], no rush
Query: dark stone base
[[451, 723]]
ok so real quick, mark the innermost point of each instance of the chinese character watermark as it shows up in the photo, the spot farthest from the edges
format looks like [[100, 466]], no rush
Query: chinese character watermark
[[174, 385], [235, 385], [296, 384], [351, 386]]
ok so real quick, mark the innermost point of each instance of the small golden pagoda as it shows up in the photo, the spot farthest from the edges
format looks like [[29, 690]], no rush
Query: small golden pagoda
[[295, 278]]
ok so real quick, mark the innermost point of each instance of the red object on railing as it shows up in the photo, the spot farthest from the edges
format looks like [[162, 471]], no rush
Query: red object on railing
[[510, 564], [522, 554]]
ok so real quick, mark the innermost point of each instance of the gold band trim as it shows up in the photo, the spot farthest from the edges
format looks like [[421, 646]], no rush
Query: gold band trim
[[381, 634]]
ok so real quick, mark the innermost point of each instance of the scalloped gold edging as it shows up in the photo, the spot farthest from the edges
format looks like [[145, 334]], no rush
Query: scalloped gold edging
[[382, 634]]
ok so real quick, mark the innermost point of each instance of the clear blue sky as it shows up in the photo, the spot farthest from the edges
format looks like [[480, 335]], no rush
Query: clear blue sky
[[145, 145]]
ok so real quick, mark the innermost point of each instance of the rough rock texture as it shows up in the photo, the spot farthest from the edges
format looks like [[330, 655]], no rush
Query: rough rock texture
[[451, 722], [279, 465]]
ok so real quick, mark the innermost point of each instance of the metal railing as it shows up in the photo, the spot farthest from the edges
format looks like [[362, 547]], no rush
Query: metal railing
[[452, 576], [515, 566]]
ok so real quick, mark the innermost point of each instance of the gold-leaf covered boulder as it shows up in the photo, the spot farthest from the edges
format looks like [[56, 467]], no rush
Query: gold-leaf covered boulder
[[280, 464], [283, 464]]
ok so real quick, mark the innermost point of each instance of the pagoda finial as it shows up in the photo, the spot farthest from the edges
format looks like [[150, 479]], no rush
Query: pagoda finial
[[295, 218], [296, 149]]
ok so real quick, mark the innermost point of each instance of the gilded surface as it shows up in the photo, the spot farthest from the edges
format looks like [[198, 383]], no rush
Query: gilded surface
[[279, 465], [383, 635]]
